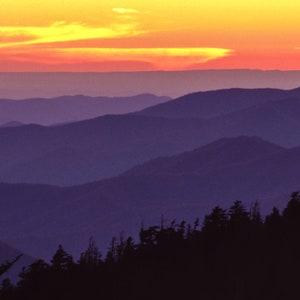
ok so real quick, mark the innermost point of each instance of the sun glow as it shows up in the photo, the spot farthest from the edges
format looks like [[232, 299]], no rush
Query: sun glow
[[168, 34]]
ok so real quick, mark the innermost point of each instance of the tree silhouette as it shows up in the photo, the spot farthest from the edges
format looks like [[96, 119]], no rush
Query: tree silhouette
[[216, 222], [7, 289], [239, 219], [8, 264], [91, 257], [61, 259], [255, 215], [236, 255], [291, 214]]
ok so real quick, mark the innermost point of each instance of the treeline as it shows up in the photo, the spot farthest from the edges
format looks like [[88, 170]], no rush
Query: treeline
[[234, 254]]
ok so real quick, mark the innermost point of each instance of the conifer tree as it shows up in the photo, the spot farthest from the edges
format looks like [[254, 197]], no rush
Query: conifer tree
[[8, 264], [61, 260], [216, 222], [91, 257]]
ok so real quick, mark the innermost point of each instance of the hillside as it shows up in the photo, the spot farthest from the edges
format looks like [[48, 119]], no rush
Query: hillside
[[276, 121], [222, 153], [91, 150], [247, 169], [65, 109], [106, 146], [210, 104], [178, 260], [8, 253]]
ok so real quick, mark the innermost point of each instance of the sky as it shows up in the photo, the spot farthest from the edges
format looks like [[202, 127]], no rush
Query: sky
[[140, 35]]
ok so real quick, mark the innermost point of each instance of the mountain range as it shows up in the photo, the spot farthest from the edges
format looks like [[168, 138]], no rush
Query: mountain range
[[19, 85], [36, 218], [90, 150], [106, 146], [102, 176], [210, 104], [67, 109]]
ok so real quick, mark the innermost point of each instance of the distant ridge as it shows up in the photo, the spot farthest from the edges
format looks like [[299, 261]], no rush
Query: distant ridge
[[106, 146], [210, 104], [65, 109], [123, 84], [12, 124]]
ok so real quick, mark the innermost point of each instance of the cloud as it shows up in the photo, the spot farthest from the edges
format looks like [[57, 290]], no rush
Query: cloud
[[121, 10], [161, 58], [179, 52], [114, 59], [63, 32]]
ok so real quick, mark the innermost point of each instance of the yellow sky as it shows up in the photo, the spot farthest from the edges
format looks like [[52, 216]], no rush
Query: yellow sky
[[181, 34]]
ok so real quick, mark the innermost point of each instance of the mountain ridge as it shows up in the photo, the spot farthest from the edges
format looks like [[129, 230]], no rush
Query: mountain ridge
[[49, 215], [211, 104], [65, 109], [238, 148], [106, 146]]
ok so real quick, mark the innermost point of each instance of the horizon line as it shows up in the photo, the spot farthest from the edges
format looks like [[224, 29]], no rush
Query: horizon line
[[155, 71]]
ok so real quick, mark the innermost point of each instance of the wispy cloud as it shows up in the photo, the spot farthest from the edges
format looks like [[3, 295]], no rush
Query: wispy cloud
[[63, 32], [47, 45], [122, 10], [161, 58], [200, 52], [117, 58]]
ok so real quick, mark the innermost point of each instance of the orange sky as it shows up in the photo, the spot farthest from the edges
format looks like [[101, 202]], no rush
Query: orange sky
[[139, 35]]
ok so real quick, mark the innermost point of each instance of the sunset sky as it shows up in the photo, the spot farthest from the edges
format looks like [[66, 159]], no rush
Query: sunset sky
[[139, 35]]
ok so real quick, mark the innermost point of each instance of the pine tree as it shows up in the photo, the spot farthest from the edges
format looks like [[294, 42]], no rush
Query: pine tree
[[61, 260], [7, 289], [8, 264], [216, 222], [91, 257]]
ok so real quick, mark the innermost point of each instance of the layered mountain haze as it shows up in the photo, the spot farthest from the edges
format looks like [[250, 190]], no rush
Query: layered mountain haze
[[269, 113], [66, 109], [277, 121], [149, 149], [186, 185], [238, 168], [106, 146], [91, 150], [225, 152], [177, 159], [18, 85]]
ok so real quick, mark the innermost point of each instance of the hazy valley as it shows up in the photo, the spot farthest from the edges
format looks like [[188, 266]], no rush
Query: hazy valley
[[106, 146], [205, 149]]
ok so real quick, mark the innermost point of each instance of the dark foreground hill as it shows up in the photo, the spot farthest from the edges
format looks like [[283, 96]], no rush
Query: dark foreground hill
[[235, 253], [36, 218], [66, 109]]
